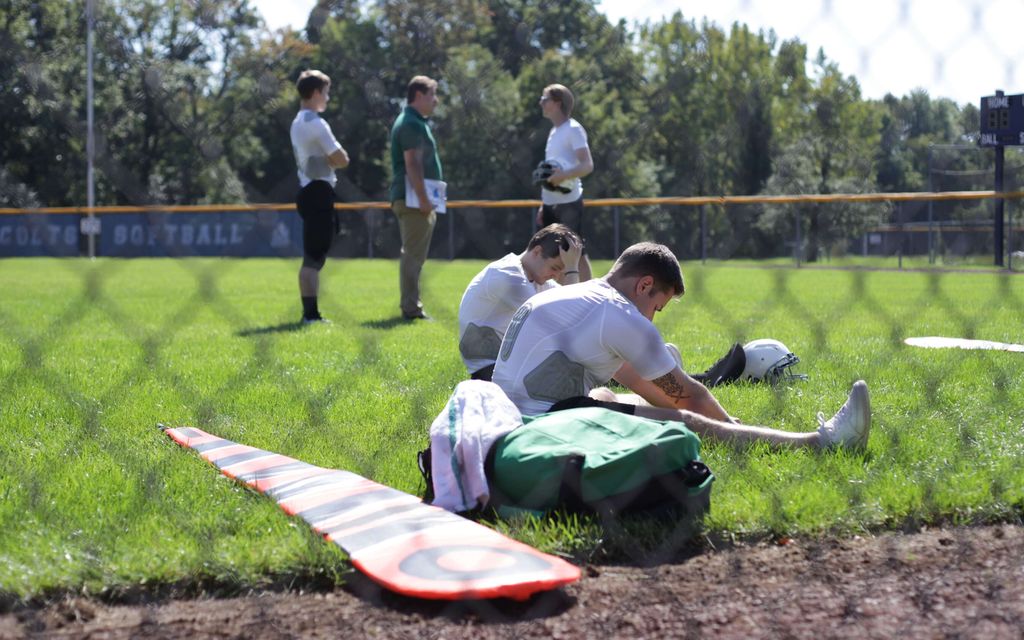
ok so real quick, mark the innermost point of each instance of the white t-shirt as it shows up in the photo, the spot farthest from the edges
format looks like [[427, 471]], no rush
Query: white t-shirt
[[312, 142], [563, 343], [487, 307], [563, 143]]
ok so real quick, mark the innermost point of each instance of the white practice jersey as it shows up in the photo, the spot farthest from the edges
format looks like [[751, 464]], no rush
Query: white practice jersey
[[487, 307], [563, 343], [312, 142], [563, 143]]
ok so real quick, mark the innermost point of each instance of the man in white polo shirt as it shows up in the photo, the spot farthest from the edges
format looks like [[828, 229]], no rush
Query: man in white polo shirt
[[496, 292], [564, 344]]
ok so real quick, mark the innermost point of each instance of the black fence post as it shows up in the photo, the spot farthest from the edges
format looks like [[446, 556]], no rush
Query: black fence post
[[797, 241], [371, 218], [903, 235], [615, 235], [997, 215], [703, 235], [1009, 236]]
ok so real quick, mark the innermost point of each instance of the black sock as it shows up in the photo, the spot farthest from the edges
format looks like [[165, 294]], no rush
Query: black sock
[[309, 308]]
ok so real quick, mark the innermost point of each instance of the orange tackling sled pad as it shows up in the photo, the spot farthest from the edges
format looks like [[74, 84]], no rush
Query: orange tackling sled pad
[[394, 538]]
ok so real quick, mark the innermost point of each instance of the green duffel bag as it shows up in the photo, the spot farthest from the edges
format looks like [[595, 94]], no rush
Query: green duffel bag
[[597, 460]]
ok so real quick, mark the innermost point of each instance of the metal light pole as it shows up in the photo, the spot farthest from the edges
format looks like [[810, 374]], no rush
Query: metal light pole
[[90, 148], [931, 188]]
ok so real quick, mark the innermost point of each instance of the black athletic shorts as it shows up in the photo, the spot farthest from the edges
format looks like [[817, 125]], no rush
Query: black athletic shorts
[[483, 374], [586, 401], [315, 203], [570, 214]]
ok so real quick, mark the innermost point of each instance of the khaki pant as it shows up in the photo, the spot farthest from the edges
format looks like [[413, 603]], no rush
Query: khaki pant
[[416, 230]]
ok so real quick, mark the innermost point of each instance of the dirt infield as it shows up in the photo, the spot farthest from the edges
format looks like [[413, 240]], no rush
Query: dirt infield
[[942, 583]]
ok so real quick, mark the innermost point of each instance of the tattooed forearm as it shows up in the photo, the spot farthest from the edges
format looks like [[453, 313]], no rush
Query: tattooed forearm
[[672, 389]]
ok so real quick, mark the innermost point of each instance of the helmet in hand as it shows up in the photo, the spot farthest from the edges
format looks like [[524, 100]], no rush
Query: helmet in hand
[[542, 174]]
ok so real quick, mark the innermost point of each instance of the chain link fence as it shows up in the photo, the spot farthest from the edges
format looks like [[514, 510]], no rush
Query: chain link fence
[[934, 234]]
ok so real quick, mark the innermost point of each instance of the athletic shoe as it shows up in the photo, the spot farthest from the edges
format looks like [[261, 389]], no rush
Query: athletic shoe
[[316, 320], [850, 426], [419, 315], [728, 369]]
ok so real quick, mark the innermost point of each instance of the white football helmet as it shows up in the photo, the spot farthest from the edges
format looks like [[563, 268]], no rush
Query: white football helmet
[[769, 361]]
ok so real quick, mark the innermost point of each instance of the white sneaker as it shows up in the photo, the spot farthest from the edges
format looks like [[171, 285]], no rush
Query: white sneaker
[[850, 426]]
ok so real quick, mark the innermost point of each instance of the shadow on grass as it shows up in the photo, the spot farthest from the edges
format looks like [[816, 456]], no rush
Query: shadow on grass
[[280, 328], [389, 323]]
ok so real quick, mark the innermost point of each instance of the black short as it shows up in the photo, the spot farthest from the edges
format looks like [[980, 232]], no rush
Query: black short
[[483, 374], [586, 401], [570, 214], [315, 204]]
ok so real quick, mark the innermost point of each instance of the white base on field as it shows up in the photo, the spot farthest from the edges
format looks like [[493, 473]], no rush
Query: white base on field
[[933, 342]]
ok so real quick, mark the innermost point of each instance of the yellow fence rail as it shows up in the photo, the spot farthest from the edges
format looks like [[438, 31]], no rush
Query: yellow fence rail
[[690, 201]]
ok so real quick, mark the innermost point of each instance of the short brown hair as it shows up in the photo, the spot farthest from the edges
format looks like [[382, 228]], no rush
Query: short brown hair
[[311, 80], [651, 259], [551, 239], [419, 84], [561, 94]]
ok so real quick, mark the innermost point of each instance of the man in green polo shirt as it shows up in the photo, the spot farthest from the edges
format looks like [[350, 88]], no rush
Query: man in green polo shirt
[[413, 159]]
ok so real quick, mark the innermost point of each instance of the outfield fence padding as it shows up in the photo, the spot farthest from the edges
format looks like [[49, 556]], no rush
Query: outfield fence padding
[[468, 230]]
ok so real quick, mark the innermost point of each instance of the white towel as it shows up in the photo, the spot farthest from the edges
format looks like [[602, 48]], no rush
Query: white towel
[[476, 415]]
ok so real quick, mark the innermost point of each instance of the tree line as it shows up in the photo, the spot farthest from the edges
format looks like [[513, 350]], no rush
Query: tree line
[[193, 101]]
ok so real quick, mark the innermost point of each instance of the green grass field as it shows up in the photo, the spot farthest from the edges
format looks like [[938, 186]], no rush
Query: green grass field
[[94, 498]]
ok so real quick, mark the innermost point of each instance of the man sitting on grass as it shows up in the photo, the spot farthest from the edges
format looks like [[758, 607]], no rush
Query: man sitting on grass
[[496, 292], [562, 345]]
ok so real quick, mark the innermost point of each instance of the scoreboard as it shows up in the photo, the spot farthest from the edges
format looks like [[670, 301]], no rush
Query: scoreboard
[[1002, 120]]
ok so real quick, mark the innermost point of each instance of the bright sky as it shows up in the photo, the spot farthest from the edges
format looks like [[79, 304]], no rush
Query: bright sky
[[959, 49]]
